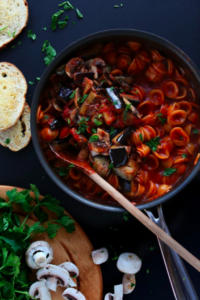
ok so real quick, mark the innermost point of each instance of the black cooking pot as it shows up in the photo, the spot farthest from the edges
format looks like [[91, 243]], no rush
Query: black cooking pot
[[153, 41]]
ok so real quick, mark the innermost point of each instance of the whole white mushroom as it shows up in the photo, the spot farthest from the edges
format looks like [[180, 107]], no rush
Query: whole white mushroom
[[129, 263]]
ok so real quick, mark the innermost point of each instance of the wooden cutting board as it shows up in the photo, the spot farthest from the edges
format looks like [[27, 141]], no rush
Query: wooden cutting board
[[74, 247]]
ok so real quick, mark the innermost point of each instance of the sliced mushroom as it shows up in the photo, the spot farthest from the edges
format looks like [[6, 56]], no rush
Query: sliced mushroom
[[113, 95], [109, 296], [118, 292], [52, 282], [120, 139], [38, 290], [101, 165], [129, 263], [128, 282], [100, 256], [39, 254], [73, 66], [58, 104], [72, 294], [50, 272], [132, 108], [101, 144]]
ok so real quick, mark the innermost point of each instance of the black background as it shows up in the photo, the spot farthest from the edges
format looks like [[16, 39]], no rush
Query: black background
[[179, 22]]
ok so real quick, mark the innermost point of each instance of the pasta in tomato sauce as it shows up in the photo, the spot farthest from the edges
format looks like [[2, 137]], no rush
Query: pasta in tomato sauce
[[128, 110]]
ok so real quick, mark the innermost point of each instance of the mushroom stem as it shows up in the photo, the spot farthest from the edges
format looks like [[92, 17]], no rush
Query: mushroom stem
[[52, 283], [39, 290], [40, 259]]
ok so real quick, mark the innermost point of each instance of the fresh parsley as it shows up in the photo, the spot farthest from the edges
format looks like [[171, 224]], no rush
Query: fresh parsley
[[82, 125], [111, 166], [94, 130], [125, 216], [31, 35], [153, 144], [66, 5], [31, 82], [97, 123], [50, 52], [184, 155], [93, 138], [169, 171], [162, 120], [151, 248], [128, 106], [147, 271], [79, 13], [132, 284], [72, 94], [56, 22], [112, 130], [141, 138], [63, 171], [82, 99], [38, 78], [3, 28], [195, 131], [7, 141]]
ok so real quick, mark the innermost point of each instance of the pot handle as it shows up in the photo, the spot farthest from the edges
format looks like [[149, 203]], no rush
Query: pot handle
[[180, 281]]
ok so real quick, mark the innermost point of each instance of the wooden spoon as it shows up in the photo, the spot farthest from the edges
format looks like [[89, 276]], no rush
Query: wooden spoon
[[87, 169]]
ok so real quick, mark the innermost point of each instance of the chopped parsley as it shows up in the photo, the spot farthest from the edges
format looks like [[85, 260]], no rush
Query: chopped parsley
[[13, 34], [132, 284], [162, 120], [195, 131], [121, 91], [183, 278], [111, 130], [116, 6], [7, 141], [72, 94], [147, 271], [19, 43], [94, 130], [73, 23], [184, 155], [3, 28], [45, 28], [79, 13], [128, 106], [66, 5], [115, 258], [63, 171], [82, 99], [112, 88], [125, 216], [141, 138], [68, 121], [153, 144], [82, 125], [93, 138], [9, 33], [56, 22], [38, 78], [97, 123], [111, 166], [31, 35], [99, 116], [169, 171], [151, 248], [31, 82], [50, 52]]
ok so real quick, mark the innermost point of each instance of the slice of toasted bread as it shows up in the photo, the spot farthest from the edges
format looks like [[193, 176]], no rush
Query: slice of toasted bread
[[13, 88], [18, 136], [13, 18]]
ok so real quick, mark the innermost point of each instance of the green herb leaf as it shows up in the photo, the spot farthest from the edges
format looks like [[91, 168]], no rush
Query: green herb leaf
[[112, 130], [169, 171], [38, 78], [31, 35], [1, 29], [82, 99], [97, 123], [82, 125], [147, 271], [125, 216], [63, 171], [195, 131], [141, 138], [31, 82], [93, 138], [94, 130], [45, 28], [67, 5], [128, 106], [132, 284], [153, 144], [162, 120], [79, 13], [9, 33], [151, 248], [184, 155], [111, 166], [55, 19], [50, 52], [7, 141], [52, 230], [72, 94], [116, 6]]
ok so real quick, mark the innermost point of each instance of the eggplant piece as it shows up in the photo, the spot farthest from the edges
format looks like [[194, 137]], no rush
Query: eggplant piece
[[131, 98], [125, 172], [101, 165], [132, 108], [65, 93], [118, 156], [56, 124], [121, 138], [78, 77], [127, 79], [125, 185], [115, 132], [114, 96]]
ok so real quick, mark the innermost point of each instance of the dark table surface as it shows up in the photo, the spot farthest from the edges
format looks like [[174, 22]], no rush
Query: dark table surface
[[179, 22]]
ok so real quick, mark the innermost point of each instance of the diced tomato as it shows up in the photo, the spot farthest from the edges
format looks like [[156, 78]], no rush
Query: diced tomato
[[65, 132]]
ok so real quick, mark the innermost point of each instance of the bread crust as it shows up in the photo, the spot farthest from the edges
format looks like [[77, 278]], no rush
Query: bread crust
[[24, 98], [26, 22]]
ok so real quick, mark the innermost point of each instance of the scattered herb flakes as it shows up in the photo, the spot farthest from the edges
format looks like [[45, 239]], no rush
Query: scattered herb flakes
[[195, 131], [141, 137], [93, 138], [66, 5], [31, 35], [13, 34], [125, 216], [7, 141], [151, 248], [162, 120], [13, 47], [97, 123], [153, 144], [115, 258], [44, 28], [19, 43], [56, 22], [132, 284], [111, 130], [50, 52], [128, 106], [147, 271], [79, 13], [111, 166], [94, 130], [1, 29], [31, 82], [46, 117], [114, 229], [68, 121], [82, 99], [169, 171], [82, 125], [121, 4], [184, 155], [9, 33], [116, 6], [63, 171], [73, 23], [72, 94], [38, 78], [121, 91], [112, 88]]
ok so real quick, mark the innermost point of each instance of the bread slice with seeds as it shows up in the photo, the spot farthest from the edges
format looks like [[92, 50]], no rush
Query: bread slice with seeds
[[13, 89], [18, 136], [13, 19]]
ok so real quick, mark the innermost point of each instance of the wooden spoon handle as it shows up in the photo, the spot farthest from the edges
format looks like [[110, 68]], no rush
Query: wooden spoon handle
[[191, 259]]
